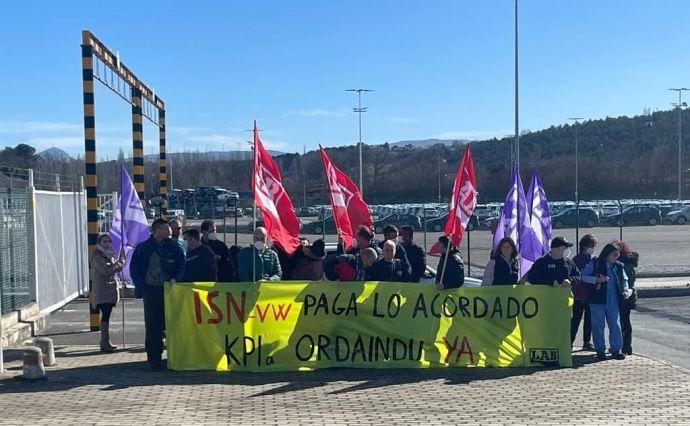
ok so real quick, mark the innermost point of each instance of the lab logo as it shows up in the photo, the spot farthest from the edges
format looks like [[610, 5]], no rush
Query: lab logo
[[546, 356]]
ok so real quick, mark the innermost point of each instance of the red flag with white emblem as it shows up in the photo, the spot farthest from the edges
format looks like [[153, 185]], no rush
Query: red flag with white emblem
[[463, 200], [349, 209], [274, 203]]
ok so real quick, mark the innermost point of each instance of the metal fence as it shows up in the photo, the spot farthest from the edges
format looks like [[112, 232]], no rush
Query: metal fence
[[16, 248]]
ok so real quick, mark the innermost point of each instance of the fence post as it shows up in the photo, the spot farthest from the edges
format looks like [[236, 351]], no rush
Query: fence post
[[469, 259], [577, 221], [34, 279], [62, 239], [620, 221]]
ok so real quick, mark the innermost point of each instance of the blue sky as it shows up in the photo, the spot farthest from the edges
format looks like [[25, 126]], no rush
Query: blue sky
[[440, 69]]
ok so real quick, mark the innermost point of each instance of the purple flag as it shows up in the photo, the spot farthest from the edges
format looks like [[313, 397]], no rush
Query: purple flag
[[515, 223], [540, 216], [129, 226]]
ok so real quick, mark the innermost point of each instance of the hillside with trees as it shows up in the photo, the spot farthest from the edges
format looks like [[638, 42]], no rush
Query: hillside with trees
[[623, 157]]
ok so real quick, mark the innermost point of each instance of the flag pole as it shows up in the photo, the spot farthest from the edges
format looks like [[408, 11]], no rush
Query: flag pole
[[254, 206], [445, 261], [123, 246]]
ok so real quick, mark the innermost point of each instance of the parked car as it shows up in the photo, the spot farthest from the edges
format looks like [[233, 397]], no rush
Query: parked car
[[398, 220], [307, 212], [568, 218], [316, 227], [679, 217], [635, 215], [437, 224]]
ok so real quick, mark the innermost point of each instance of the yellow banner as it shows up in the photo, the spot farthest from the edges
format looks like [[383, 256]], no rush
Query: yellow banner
[[294, 325]]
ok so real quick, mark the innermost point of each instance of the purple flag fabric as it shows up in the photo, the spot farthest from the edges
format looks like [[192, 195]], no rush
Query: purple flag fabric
[[129, 226], [540, 216], [515, 223]]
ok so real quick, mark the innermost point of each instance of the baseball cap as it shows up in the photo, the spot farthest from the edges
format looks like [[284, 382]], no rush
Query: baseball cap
[[560, 242]]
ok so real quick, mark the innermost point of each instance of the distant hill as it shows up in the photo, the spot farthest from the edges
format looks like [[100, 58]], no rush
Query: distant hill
[[54, 154], [426, 143], [210, 155]]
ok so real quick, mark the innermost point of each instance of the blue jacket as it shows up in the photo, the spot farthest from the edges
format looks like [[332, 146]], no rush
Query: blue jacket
[[600, 296], [140, 261]]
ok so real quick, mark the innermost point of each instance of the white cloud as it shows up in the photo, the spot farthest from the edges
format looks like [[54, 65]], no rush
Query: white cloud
[[315, 112], [473, 134]]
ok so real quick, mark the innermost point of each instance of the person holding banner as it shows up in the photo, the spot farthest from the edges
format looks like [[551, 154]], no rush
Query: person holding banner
[[106, 284], [154, 262], [390, 233], [390, 268], [503, 267], [608, 286], [555, 268], [259, 262], [309, 264], [226, 272], [454, 274], [415, 254], [364, 238], [200, 262]]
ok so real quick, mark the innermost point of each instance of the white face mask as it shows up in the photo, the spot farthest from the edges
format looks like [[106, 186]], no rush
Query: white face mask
[[567, 252], [589, 251], [259, 245], [212, 236], [185, 245]]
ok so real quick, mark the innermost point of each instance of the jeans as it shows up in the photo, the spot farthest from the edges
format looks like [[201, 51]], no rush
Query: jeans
[[154, 322], [609, 315], [581, 309], [626, 327]]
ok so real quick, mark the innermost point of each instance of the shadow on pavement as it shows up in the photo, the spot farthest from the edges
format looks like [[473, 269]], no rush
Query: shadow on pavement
[[135, 374]]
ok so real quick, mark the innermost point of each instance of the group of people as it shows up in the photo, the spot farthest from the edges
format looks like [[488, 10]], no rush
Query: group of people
[[602, 286]]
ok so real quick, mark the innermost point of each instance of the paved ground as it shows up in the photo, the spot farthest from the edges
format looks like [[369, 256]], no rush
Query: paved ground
[[88, 387]]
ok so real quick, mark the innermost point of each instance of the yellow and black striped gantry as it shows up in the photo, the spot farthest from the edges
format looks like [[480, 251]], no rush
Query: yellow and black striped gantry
[[94, 51]]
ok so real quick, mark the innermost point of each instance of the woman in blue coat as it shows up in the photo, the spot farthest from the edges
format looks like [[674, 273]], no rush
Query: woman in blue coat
[[608, 287]]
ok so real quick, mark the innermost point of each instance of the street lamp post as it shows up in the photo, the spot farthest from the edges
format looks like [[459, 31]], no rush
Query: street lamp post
[[359, 110], [680, 136], [517, 94], [577, 178]]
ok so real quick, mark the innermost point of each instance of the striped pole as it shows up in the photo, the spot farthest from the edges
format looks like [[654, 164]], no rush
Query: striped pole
[[90, 163], [138, 146], [162, 164]]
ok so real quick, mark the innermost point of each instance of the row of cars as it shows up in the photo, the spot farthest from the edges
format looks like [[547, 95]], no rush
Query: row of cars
[[631, 215]]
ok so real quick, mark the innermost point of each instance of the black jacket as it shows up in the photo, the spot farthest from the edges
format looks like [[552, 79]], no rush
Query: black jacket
[[200, 265], [393, 271], [630, 262], [454, 276], [505, 273], [417, 259], [224, 265], [546, 270], [401, 254]]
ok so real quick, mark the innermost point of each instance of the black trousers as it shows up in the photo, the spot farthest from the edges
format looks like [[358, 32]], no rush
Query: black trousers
[[626, 326], [105, 309], [154, 321], [580, 309]]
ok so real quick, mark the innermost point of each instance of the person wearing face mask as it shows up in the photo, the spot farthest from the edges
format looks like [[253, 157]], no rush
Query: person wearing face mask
[[176, 233], [105, 284], [555, 268], [259, 262], [200, 263], [608, 287], [224, 264], [580, 289], [502, 269], [364, 238]]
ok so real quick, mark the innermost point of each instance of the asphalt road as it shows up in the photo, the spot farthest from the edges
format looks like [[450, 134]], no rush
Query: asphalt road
[[661, 327]]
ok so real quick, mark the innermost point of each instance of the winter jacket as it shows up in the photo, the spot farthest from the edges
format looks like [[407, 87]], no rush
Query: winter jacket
[[383, 270], [546, 270], [167, 249], [630, 262], [417, 259], [400, 254], [309, 266], [105, 282], [454, 275], [599, 296], [500, 272], [224, 264], [266, 263], [200, 265]]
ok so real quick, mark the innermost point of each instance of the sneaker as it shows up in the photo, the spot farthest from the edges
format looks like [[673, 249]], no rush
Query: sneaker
[[619, 355], [588, 347], [601, 356]]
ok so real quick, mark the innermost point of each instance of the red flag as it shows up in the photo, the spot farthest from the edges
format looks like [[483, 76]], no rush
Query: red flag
[[272, 200], [349, 210], [463, 200]]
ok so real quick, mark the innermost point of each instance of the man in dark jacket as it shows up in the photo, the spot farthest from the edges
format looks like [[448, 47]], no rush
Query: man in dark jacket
[[389, 268], [364, 238], [155, 261], [225, 265], [555, 268], [259, 262], [390, 233], [200, 264], [415, 254], [454, 274]]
